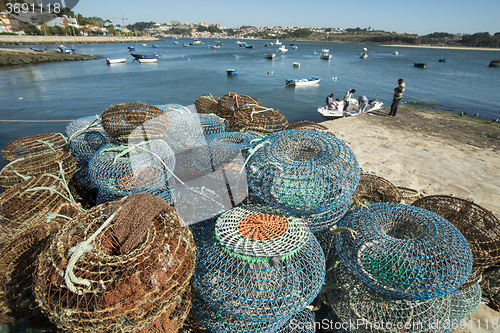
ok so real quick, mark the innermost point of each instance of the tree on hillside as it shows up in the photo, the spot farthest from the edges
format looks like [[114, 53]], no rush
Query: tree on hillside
[[141, 26]]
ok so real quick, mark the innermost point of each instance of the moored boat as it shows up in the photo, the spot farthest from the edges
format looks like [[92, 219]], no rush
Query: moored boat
[[131, 48], [145, 56], [419, 64], [303, 82], [282, 48], [442, 60], [325, 54], [352, 110], [363, 54], [148, 60], [395, 52], [115, 61], [231, 72], [270, 55]]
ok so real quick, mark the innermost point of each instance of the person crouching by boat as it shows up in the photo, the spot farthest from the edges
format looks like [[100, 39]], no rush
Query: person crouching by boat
[[347, 96], [329, 101], [362, 102], [398, 94]]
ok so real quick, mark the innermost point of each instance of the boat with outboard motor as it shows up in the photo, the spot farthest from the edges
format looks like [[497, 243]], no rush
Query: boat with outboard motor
[[352, 110]]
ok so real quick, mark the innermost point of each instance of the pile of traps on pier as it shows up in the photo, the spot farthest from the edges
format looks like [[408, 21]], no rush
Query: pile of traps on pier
[[223, 217]]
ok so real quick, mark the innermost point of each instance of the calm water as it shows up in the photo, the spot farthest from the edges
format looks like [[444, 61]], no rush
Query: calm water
[[69, 90]]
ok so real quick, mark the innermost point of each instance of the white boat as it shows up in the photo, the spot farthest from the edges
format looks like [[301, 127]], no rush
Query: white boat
[[148, 61], [282, 48], [325, 54], [352, 109], [277, 42], [294, 47], [395, 52], [143, 44], [303, 82], [363, 54], [115, 61], [270, 55], [296, 65]]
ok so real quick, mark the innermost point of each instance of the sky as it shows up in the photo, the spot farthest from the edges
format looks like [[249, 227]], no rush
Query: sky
[[421, 17]]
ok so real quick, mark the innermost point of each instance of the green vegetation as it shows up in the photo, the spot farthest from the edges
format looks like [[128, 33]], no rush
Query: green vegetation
[[141, 26]]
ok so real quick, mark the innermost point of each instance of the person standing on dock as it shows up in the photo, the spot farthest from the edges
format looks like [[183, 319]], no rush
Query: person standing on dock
[[348, 96], [398, 94], [362, 102]]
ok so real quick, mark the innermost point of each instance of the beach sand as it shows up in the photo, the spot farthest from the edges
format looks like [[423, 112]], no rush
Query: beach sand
[[434, 153]]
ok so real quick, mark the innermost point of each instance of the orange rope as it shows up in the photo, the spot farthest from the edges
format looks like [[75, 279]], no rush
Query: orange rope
[[263, 226]]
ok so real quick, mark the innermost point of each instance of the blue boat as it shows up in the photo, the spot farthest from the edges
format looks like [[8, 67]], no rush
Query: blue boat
[[231, 72], [249, 46], [131, 48], [442, 60], [154, 45], [145, 56]]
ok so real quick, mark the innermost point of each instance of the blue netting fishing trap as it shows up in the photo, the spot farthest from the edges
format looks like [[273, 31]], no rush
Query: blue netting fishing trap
[[403, 251], [259, 265], [186, 130], [120, 170], [195, 205], [303, 172], [86, 135]]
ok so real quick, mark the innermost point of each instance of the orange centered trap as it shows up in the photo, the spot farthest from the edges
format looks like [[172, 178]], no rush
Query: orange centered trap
[[263, 226]]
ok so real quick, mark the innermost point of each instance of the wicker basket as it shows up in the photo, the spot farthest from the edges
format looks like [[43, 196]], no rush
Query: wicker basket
[[232, 101], [252, 116], [207, 104]]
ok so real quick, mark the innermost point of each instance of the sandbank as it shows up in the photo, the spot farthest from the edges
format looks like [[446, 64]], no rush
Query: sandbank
[[32, 40], [446, 47]]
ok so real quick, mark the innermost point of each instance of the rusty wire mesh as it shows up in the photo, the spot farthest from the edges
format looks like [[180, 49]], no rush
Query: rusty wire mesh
[[207, 104], [53, 163], [231, 101], [372, 189], [33, 198], [134, 121], [34, 145], [253, 116], [121, 266]]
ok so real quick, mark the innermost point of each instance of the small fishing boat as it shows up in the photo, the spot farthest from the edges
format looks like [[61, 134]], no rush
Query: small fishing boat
[[115, 61], [175, 42], [270, 55], [316, 53], [395, 52], [131, 48], [44, 50], [352, 109], [277, 42], [442, 60], [419, 64], [231, 72], [144, 44], [185, 45], [294, 47], [145, 56], [363, 54], [249, 46], [154, 45], [296, 65], [308, 81], [148, 60], [282, 48], [325, 54], [65, 49]]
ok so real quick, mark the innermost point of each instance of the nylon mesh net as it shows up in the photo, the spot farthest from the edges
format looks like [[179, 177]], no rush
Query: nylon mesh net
[[134, 121], [174, 108], [303, 172], [122, 266], [253, 116], [119, 170], [86, 136], [465, 301], [232, 101], [403, 251], [372, 189], [53, 163], [207, 104], [34, 145], [258, 265], [305, 124]]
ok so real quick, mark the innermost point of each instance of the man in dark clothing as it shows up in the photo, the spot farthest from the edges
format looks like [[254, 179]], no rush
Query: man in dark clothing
[[398, 94]]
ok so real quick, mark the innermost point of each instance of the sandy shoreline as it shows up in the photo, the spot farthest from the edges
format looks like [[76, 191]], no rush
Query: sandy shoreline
[[37, 40], [445, 47]]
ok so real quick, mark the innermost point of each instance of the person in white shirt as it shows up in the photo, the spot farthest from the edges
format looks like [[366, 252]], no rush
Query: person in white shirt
[[347, 96]]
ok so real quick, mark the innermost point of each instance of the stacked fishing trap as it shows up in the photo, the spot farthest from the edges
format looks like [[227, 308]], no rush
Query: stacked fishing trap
[[207, 104], [256, 268], [122, 266], [372, 189], [230, 102], [401, 265], [253, 117], [34, 145], [174, 108]]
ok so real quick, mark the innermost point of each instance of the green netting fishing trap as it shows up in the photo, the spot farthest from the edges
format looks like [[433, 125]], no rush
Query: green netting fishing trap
[[120, 170], [404, 251], [232, 101], [186, 130], [303, 172], [369, 311], [174, 108], [479, 226], [207, 104], [464, 302], [18, 257], [134, 121], [32, 199], [34, 145], [258, 265], [54, 163], [372, 189], [120, 267], [253, 116]]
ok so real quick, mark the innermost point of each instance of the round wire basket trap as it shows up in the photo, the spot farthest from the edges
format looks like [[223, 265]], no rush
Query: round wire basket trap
[[403, 251], [207, 104], [258, 265], [122, 266], [31, 199], [121, 170], [303, 172], [231, 101], [134, 121], [82, 123], [257, 117], [34, 145], [306, 124], [372, 189], [353, 302], [465, 302], [86, 137], [479, 226], [53, 163]]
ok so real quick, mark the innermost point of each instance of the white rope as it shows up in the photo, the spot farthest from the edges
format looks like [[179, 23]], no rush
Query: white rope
[[82, 130], [79, 251], [252, 151]]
